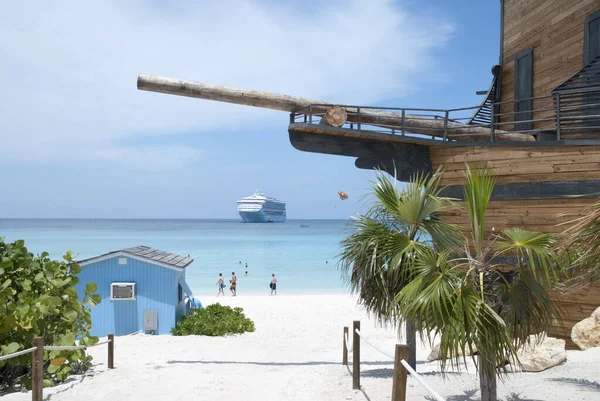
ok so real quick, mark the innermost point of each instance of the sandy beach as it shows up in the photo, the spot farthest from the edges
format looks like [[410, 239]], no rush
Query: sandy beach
[[294, 354]]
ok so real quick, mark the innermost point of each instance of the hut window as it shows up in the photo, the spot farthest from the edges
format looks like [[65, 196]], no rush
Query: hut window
[[122, 291], [122, 261], [591, 41], [179, 293], [591, 52], [523, 90]]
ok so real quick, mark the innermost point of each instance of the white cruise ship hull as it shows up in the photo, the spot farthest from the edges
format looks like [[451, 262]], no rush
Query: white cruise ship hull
[[259, 208], [260, 216]]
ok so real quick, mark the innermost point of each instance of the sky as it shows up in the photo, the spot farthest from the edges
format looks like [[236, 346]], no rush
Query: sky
[[78, 140]]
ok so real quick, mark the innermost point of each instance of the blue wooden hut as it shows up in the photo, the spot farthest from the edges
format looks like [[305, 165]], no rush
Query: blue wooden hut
[[142, 289]]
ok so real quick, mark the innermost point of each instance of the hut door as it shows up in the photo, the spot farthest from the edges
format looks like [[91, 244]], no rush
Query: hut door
[[523, 90]]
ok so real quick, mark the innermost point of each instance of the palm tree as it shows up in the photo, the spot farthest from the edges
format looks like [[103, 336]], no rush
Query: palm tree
[[581, 249], [470, 303], [399, 224]]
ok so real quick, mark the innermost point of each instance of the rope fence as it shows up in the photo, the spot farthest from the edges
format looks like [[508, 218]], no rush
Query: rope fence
[[18, 353], [37, 360], [401, 367]]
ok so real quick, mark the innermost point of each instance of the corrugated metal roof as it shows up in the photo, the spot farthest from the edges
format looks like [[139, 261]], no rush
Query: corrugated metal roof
[[152, 255]]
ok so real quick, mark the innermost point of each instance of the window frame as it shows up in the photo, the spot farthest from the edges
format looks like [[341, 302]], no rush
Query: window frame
[[523, 126], [586, 35], [121, 284]]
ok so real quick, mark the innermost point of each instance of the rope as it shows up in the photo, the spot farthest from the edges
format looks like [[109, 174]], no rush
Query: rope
[[420, 380], [374, 346], [347, 346], [50, 348], [64, 347], [100, 343], [410, 370], [18, 353]]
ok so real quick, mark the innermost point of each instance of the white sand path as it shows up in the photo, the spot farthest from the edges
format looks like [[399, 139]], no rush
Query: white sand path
[[294, 354]]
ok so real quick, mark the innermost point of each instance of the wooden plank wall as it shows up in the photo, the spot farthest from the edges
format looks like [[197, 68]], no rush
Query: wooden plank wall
[[523, 165], [573, 310], [554, 29]]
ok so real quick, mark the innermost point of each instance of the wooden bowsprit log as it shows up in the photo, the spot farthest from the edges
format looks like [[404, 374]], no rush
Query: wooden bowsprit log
[[267, 100]]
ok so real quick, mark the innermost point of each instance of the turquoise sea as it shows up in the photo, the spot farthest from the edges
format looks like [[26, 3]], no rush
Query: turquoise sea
[[302, 258]]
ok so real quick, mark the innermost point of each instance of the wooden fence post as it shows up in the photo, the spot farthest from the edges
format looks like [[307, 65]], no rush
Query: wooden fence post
[[400, 373], [355, 356], [345, 353], [111, 351], [37, 366]]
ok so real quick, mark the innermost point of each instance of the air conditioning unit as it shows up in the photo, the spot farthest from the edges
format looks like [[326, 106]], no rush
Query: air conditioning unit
[[122, 291]]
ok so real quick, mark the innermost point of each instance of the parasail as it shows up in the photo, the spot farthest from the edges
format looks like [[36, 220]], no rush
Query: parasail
[[342, 195]]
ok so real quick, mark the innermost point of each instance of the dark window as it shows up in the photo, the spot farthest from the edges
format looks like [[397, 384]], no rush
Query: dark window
[[179, 293], [591, 50], [591, 41], [523, 89]]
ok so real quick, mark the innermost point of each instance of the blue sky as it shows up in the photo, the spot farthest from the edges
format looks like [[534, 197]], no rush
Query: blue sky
[[79, 140]]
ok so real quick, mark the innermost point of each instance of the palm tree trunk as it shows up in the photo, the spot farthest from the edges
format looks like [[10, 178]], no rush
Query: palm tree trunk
[[411, 341], [487, 384]]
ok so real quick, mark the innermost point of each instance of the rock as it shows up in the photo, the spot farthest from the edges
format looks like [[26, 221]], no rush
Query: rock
[[586, 334], [535, 356], [435, 353]]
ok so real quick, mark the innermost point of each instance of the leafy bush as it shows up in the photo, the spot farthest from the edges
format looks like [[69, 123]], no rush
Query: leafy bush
[[214, 320], [38, 299]]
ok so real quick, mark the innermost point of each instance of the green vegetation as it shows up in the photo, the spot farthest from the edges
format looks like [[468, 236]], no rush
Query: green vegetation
[[399, 225], [581, 248], [457, 292], [38, 298], [214, 320]]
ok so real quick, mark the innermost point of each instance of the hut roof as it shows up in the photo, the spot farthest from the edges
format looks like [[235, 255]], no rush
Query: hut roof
[[147, 254]]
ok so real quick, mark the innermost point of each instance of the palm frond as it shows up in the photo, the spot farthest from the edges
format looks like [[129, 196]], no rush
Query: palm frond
[[441, 302], [370, 261], [580, 247], [478, 191], [526, 305], [535, 251]]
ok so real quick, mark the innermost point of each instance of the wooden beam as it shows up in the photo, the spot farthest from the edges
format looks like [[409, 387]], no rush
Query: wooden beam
[[267, 100]]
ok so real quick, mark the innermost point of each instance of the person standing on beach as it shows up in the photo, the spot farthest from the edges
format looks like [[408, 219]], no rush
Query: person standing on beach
[[273, 284], [233, 282], [221, 285]]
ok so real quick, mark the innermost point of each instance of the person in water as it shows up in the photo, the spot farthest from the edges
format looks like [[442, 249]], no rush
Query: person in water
[[220, 284], [273, 284], [233, 282]]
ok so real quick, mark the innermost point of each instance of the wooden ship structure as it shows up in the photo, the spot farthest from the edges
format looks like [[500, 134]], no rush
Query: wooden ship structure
[[537, 128]]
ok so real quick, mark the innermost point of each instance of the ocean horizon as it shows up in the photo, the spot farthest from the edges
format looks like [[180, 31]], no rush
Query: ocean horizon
[[300, 252]]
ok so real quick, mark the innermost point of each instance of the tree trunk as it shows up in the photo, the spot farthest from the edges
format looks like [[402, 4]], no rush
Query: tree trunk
[[411, 341], [415, 124], [334, 116], [487, 384]]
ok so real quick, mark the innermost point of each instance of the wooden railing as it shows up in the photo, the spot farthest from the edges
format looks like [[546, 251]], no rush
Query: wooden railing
[[401, 366], [37, 360], [570, 117]]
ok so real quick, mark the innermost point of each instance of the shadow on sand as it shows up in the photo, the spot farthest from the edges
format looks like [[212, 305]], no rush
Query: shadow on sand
[[469, 395], [388, 373], [583, 383], [274, 363]]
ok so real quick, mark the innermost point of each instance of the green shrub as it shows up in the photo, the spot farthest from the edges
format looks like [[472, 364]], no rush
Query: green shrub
[[38, 299], [214, 320]]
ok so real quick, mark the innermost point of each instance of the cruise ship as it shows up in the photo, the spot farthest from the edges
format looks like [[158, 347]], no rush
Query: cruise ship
[[259, 208]]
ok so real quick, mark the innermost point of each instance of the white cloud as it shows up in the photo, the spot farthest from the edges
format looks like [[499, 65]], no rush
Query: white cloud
[[71, 68]]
